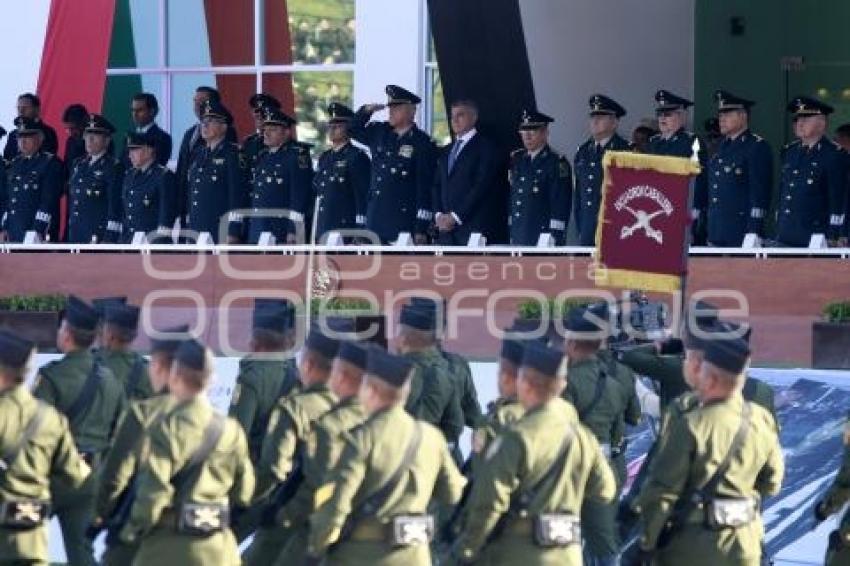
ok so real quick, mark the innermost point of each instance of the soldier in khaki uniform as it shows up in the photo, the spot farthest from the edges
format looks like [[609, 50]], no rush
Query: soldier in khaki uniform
[[31, 460], [838, 551], [603, 393], [118, 330], [525, 503], [433, 397], [197, 474], [282, 455], [325, 446], [701, 503], [374, 507], [92, 400], [130, 449]]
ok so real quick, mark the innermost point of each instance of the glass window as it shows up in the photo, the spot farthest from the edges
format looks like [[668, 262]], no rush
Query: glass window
[[187, 18], [320, 32]]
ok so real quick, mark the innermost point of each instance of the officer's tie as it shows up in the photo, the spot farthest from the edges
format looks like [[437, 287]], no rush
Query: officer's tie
[[454, 153]]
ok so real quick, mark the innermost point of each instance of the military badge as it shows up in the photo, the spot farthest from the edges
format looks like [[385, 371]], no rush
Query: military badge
[[340, 164], [406, 151], [218, 161]]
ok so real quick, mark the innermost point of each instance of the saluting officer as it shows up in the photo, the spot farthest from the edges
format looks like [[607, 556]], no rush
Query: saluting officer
[[702, 502], [675, 140], [740, 175], [605, 114], [373, 507], [525, 503], [282, 180], [216, 179], [403, 161], [148, 195], [196, 475], [130, 449], [119, 329], [541, 185], [92, 400], [342, 177], [812, 181], [254, 143], [34, 185], [37, 450], [95, 185]]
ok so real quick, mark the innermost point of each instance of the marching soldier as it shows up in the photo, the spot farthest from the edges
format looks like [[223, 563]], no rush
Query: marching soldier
[[216, 180], [812, 182], [195, 477], [282, 180], [92, 400], [403, 159], [342, 177], [268, 373], [675, 140], [95, 185], [34, 185], [280, 469], [148, 195], [605, 115], [117, 333], [130, 450], [373, 507], [526, 500], [838, 551], [37, 450], [702, 501], [325, 447], [740, 176], [253, 144], [603, 393], [541, 185]]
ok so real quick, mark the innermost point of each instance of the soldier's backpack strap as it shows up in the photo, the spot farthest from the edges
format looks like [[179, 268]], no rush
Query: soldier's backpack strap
[[8, 457], [597, 394], [555, 470], [135, 375], [708, 490], [186, 477], [86, 396]]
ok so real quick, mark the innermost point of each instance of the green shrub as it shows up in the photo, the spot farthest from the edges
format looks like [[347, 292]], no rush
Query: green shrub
[[532, 310], [33, 303], [342, 306], [838, 311]]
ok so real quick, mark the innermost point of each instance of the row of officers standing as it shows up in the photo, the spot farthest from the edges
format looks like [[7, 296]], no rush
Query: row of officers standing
[[405, 183], [349, 454]]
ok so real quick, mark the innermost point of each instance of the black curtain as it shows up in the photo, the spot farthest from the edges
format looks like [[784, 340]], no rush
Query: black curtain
[[481, 52]]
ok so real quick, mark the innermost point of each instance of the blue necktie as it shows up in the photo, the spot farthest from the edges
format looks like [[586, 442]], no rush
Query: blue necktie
[[454, 153]]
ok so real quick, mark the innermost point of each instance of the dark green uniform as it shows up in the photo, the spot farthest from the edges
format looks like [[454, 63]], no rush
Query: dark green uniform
[[129, 451], [459, 369], [692, 449], [372, 454], [131, 369], [226, 477], [289, 428], [515, 463], [433, 397], [324, 447], [603, 393], [60, 383], [838, 552], [501, 414], [50, 457]]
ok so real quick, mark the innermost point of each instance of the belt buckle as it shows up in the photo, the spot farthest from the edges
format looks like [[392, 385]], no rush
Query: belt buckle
[[409, 530]]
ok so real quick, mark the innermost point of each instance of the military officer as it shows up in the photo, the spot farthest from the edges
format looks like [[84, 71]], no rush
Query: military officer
[[148, 194], [253, 144], [812, 180], [197, 474], [391, 468], [603, 393], [36, 449], [740, 176], [289, 430], [342, 177], [403, 161], [541, 185], [325, 446], [217, 180], [525, 502], [117, 333], [282, 180], [95, 185], [33, 187], [144, 108], [433, 398], [92, 400], [605, 114], [702, 501], [838, 551], [29, 107], [268, 373], [131, 448], [674, 140]]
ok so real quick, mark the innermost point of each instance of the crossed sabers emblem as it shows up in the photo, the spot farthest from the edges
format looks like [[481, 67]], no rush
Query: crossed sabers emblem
[[208, 516], [25, 511], [414, 532], [642, 221]]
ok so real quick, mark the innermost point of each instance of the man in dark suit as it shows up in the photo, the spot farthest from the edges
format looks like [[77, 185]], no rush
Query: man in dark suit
[[143, 110], [466, 168], [29, 107]]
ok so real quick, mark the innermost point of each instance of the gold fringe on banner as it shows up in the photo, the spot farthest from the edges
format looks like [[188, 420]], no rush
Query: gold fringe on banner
[[642, 280]]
